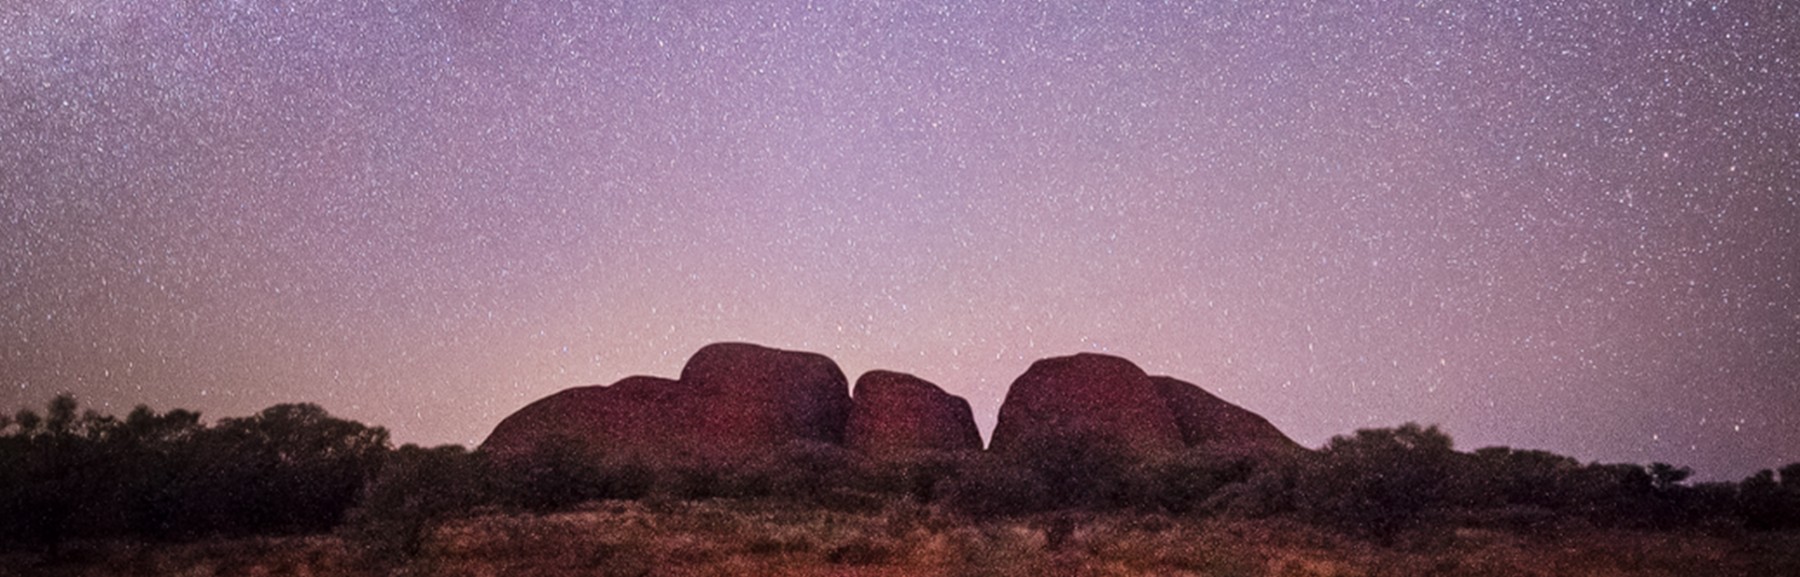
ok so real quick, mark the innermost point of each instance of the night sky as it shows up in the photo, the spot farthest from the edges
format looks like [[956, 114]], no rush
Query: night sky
[[1568, 226]]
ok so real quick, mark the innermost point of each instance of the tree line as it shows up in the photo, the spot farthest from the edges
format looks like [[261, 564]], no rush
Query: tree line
[[68, 475]]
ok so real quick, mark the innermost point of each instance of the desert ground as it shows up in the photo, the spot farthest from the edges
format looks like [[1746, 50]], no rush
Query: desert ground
[[725, 537]]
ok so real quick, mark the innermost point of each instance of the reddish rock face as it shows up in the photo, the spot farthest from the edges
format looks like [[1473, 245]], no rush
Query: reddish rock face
[[737, 401], [1210, 423], [733, 401], [751, 398], [631, 415], [1085, 399], [894, 414]]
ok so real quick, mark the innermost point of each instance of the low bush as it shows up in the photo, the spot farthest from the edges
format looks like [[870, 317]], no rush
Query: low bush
[[1185, 482], [990, 487], [1377, 482], [1767, 502], [556, 476], [417, 489]]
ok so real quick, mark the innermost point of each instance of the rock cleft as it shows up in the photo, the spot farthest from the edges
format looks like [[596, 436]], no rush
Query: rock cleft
[[895, 414]]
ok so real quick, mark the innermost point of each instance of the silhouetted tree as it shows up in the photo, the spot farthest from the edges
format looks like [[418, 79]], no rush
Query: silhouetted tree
[[157, 452], [1378, 481], [1790, 477], [58, 478], [416, 489], [1269, 490], [1084, 472], [75, 474], [1185, 482], [28, 423], [60, 418], [1665, 477], [1767, 503], [290, 468], [1667, 504], [558, 475], [1501, 477]]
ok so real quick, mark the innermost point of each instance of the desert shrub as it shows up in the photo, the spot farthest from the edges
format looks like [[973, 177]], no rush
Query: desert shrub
[[1501, 477], [1269, 490], [1184, 482], [999, 550], [1713, 504], [1670, 502], [806, 471], [416, 489], [1790, 477], [802, 471], [814, 474], [1383, 480], [292, 468], [1086, 472], [1605, 494], [1619, 495], [705, 479], [1378, 482], [917, 476], [557, 475], [861, 550], [1768, 503], [991, 487]]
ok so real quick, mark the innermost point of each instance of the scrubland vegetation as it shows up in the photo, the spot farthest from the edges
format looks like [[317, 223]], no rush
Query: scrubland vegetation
[[293, 490]]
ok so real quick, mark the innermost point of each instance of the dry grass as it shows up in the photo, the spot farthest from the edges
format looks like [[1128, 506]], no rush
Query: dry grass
[[761, 538]]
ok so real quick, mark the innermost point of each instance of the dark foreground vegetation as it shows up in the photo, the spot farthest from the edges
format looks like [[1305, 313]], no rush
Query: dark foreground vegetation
[[73, 482]]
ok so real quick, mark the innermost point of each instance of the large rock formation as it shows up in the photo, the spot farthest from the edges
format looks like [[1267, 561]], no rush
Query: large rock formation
[[738, 401], [1211, 424], [752, 398], [631, 416], [1083, 401], [734, 401], [896, 414]]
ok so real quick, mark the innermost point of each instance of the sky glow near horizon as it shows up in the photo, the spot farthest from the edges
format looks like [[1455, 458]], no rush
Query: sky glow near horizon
[[1568, 227]]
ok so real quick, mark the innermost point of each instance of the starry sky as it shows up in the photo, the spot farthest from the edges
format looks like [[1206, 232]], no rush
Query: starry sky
[[1565, 225]]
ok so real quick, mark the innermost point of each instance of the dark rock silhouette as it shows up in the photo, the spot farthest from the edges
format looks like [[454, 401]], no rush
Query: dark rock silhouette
[[895, 414], [1082, 401], [1209, 423], [737, 401], [750, 398], [635, 415], [733, 401]]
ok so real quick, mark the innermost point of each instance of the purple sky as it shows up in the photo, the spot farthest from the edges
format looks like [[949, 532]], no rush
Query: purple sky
[[1569, 227]]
